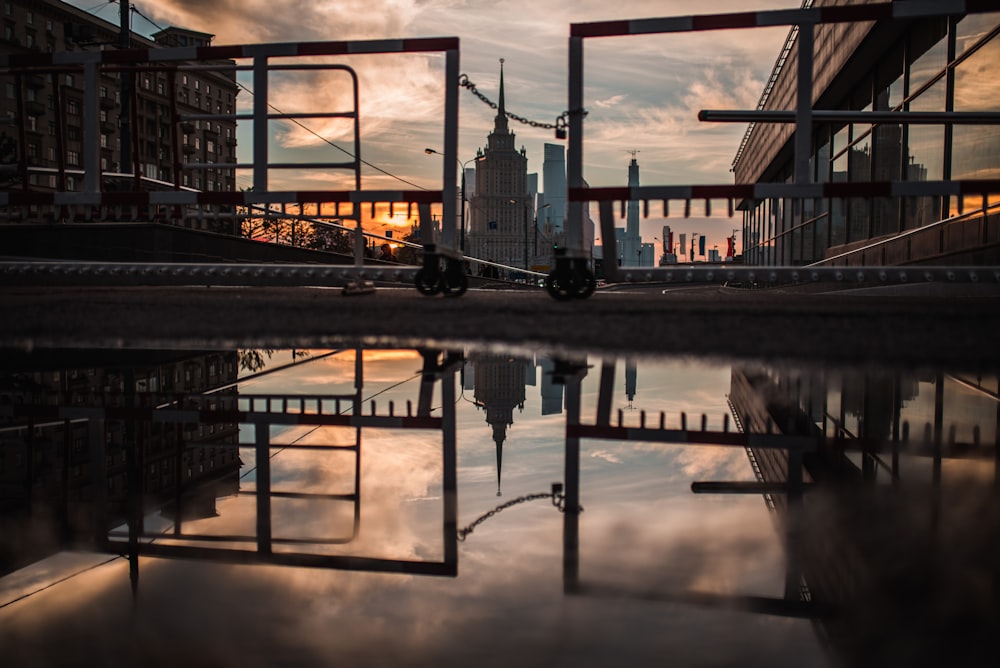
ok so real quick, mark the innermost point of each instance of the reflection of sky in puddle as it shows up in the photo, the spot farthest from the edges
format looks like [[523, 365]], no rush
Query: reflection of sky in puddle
[[643, 535]]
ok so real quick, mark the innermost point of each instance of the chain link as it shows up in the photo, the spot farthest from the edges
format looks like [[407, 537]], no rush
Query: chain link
[[558, 500], [560, 126]]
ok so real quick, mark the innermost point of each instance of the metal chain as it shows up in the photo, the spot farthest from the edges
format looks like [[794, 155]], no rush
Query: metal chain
[[560, 126], [558, 500]]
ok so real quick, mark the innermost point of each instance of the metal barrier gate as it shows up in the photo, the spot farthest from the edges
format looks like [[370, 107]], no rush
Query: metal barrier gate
[[159, 200], [573, 278]]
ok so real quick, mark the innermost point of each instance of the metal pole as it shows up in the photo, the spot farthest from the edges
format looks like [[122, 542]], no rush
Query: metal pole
[[574, 156], [124, 114], [448, 217], [461, 236], [803, 107], [526, 236]]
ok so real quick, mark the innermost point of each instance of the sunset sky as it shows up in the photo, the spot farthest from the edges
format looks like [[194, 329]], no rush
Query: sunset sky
[[642, 93]]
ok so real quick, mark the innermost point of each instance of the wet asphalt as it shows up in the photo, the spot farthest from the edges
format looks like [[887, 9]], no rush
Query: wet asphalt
[[957, 328]]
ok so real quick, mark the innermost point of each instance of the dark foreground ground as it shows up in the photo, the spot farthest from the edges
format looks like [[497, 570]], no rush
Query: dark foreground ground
[[958, 328]]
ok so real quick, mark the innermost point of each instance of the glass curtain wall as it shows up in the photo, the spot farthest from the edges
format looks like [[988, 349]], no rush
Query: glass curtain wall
[[939, 65]]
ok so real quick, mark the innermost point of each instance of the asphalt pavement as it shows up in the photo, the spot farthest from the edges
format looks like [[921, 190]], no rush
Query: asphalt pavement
[[957, 328]]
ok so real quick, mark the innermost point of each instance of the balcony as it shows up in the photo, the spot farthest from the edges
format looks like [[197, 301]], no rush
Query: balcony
[[34, 108]]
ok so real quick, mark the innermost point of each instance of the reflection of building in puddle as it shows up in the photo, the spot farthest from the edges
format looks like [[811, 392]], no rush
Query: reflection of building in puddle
[[499, 382], [48, 481], [897, 527]]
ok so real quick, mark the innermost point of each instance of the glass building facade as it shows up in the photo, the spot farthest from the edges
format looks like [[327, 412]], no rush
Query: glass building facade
[[941, 65]]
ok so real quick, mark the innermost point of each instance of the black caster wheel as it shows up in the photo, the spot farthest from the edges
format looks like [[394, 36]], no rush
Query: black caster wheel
[[428, 282], [454, 283], [558, 285]]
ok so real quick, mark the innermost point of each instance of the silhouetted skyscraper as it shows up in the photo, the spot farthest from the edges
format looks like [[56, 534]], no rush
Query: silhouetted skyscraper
[[501, 208]]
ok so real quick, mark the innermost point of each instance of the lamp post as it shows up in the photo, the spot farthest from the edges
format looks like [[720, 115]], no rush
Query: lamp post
[[543, 207], [461, 233]]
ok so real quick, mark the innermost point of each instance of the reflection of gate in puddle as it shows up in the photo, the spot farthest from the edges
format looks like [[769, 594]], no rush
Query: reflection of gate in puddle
[[343, 410], [269, 542], [792, 604], [842, 524]]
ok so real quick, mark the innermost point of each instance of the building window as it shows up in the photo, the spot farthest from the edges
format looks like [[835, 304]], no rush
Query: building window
[[73, 158]]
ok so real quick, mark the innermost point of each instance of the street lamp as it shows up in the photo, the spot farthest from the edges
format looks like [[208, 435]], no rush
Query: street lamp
[[543, 207], [461, 243]]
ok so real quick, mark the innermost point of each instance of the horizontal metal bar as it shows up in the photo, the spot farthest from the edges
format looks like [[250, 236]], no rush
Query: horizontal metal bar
[[342, 562], [826, 116], [690, 437], [169, 538], [777, 17], [762, 191], [225, 198], [726, 487], [304, 495]]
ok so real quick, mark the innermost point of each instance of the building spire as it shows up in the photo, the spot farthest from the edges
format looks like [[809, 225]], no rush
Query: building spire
[[500, 123]]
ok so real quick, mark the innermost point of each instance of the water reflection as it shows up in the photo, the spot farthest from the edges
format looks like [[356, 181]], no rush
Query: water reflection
[[651, 510]]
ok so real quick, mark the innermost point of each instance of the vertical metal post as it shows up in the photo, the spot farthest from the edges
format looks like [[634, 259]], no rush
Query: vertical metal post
[[448, 217], [426, 225], [98, 479], [263, 456], [125, 104], [605, 393], [949, 129], [938, 426], [449, 460], [571, 475], [936, 470], [260, 124], [574, 156], [134, 468], [793, 526], [803, 104], [897, 402], [426, 393], [91, 128]]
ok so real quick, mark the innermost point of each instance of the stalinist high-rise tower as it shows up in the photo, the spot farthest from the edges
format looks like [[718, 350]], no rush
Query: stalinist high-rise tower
[[501, 210]]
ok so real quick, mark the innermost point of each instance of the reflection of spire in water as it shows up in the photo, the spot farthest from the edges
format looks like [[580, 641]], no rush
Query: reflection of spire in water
[[499, 388], [630, 380]]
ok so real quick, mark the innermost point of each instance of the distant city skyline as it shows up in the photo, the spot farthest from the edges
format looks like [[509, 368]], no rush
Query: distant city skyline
[[640, 92]]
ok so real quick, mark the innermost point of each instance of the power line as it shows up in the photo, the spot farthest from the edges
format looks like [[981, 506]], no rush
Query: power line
[[148, 20], [339, 148]]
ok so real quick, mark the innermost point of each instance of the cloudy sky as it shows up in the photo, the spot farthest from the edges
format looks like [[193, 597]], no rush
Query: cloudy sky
[[641, 93]]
